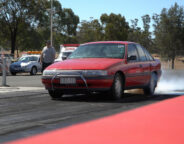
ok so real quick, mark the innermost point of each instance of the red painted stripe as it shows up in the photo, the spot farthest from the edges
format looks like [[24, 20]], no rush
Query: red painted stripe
[[159, 123]]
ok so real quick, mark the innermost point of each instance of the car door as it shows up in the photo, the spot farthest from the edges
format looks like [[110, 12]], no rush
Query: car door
[[144, 64], [133, 68], [37, 63]]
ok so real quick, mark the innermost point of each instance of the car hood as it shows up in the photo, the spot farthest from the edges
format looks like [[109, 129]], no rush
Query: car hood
[[19, 63], [16, 63], [85, 64]]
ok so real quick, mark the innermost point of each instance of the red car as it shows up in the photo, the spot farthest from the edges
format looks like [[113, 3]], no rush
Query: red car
[[110, 66]]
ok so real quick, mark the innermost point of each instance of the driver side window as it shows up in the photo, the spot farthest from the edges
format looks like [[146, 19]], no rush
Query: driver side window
[[132, 52]]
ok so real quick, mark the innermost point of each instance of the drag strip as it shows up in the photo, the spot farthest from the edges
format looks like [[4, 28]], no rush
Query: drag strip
[[27, 113], [156, 123], [26, 109]]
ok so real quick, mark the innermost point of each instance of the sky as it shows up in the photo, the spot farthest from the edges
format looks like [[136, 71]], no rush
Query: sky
[[130, 9]]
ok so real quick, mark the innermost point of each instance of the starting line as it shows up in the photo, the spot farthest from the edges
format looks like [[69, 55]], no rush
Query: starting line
[[159, 123]]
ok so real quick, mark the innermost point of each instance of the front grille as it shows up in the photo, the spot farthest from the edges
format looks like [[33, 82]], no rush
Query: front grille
[[69, 85]]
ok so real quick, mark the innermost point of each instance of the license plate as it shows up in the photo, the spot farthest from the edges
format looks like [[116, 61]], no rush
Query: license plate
[[68, 80]]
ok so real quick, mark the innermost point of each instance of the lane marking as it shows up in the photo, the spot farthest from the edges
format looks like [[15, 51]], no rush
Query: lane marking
[[18, 89]]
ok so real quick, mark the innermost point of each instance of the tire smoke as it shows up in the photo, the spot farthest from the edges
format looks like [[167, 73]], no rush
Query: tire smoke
[[171, 82]]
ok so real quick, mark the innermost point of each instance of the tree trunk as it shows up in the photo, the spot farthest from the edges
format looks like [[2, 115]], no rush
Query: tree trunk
[[13, 42], [173, 58], [17, 52], [173, 63]]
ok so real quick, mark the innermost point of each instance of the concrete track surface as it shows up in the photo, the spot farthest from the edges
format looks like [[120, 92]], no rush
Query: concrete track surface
[[26, 112]]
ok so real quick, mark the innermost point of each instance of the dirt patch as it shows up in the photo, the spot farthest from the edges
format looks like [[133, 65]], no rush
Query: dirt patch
[[178, 65]]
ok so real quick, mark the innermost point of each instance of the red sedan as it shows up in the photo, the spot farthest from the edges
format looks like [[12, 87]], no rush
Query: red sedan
[[110, 66]]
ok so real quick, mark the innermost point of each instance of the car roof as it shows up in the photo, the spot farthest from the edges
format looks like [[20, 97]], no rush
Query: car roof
[[116, 42], [31, 55]]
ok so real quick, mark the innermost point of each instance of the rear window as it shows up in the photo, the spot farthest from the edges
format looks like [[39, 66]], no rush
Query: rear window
[[142, 55]]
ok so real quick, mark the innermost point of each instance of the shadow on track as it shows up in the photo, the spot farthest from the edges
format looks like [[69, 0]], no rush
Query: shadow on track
[[127, 98]]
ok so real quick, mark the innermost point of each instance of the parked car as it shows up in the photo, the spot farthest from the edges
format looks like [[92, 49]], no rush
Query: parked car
[[65, 51], [28, 63], [109, 67]]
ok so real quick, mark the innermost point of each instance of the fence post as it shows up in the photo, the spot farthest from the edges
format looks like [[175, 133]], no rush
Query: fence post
[[4, 72]]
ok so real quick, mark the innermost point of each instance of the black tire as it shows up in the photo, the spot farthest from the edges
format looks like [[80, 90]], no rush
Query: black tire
[[55, 94], [150, 88], [117, 89], [13, 73], [33, 71]]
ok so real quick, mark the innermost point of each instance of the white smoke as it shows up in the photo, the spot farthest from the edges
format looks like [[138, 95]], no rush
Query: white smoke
[[171, 82]]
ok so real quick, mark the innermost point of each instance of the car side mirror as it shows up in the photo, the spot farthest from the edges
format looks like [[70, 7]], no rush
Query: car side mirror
[[132, 57], [64, 57]]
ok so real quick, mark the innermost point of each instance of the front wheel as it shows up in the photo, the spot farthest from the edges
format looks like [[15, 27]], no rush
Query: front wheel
[[13, 73], [117, 89], [55, 94], [150, 88], [33, 71]]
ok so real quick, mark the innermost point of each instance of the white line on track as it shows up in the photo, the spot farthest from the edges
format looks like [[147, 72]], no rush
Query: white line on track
[[16, 89]]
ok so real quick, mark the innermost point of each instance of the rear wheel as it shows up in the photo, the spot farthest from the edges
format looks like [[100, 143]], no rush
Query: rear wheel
[[117, 89], [150, 88], [55, 94]]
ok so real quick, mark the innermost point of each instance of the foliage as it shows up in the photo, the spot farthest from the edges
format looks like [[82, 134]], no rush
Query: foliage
[[115, 27], [25, 24], [135, 32], [138, 35], [15, 16], [169, 28], [89, 31], [111, 27]]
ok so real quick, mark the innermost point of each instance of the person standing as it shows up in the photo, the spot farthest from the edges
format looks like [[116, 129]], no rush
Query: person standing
[[47, 55]]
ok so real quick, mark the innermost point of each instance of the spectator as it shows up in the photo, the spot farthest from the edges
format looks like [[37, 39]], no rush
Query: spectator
[[47, 55]]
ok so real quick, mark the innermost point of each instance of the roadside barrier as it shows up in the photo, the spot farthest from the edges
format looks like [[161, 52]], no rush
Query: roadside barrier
[[4, 71]]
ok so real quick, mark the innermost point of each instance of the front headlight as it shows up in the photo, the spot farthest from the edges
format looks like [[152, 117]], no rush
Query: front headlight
[[75, 72], [25, 65], [94, 73], [49, 72]]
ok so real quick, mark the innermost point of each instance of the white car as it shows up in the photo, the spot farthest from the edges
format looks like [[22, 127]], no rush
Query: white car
[[28, 63], [65, 51]]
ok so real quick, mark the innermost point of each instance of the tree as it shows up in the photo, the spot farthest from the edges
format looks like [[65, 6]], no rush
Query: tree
[[138, 35], [135, 32], [15, 14], [70, 22], [89, 31], [115, 27], [168, 31], [26, 24], [65, 23], [146, 39]]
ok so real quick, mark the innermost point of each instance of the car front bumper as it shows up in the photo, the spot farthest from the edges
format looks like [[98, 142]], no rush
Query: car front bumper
[[19, 70], [82, 84]]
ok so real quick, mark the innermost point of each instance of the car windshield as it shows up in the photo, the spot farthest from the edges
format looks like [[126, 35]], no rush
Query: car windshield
[[27, 59], [99, 51], [66, 54]]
